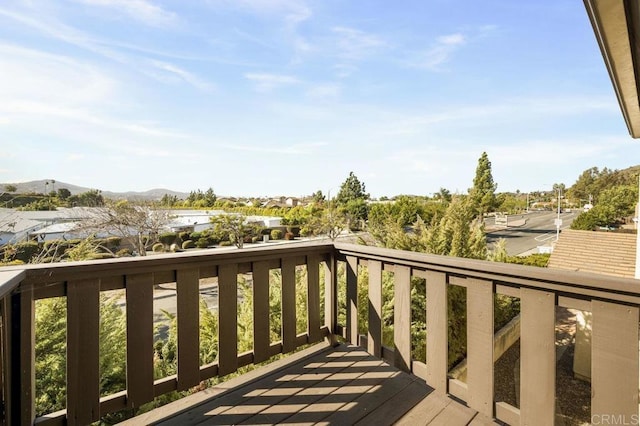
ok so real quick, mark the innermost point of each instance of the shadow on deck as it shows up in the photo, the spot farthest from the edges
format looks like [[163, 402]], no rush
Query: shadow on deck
[[325, 385]]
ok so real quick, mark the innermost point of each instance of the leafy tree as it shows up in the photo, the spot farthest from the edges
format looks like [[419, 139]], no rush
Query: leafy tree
[[318, 197], [236, 227], [202, 199], [169, 200], [352, 201], [351, 189], [443, 195], [63, 193], [139, 224], [621, 199], [10, 188], [92, 198], [483, 192]]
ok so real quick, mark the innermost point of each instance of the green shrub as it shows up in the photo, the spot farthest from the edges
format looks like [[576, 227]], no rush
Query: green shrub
[[26, 251], [195, 236], [167, 238], [202, 243], [276, 234], [225, 243], [98, 256], [187, 244], [184, 236], [12, 263], [125, 252], [158, 248], [536, 259], [266, 231], [295, 230], [112, 242]]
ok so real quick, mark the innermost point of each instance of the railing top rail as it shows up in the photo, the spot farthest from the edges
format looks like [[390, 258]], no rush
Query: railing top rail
[[560, 281], [52, 272], [9, 280]]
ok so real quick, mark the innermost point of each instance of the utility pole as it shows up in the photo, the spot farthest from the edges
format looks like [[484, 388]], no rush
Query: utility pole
[[558, 220]]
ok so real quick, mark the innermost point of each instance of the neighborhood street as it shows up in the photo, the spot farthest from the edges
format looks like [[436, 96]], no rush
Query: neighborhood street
[[538, 229]]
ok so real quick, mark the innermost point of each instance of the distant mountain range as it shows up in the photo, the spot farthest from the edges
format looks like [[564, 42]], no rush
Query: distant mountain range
[[40, 186]]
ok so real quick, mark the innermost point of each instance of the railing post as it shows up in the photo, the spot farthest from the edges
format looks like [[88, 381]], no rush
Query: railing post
[[23, 382], [374, 341], [228, 321], [5, 360], [261, 327], [352, 300], [188, 307], [330, 297], [402, 317], [437, 330], [538, 357], [480, 345], [139, 293], [614, 362], [313, 298], [289, 341], [83, 351]]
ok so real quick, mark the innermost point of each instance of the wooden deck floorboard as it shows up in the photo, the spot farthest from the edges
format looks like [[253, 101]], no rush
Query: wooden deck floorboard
[[342, 385]]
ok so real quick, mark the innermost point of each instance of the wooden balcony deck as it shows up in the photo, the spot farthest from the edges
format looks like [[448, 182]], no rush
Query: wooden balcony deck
[[321, 385]]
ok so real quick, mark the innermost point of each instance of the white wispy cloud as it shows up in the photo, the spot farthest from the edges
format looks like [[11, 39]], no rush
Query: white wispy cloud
[[62, 32], [31, 109], [265, 82], [355, 44], [322, 91], [140, 10], [173, 71], [293, 11], [344, 70], [441, 51], [296, 149]]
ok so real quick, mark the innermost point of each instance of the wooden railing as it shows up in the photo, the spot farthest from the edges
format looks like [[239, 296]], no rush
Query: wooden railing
[[614, 304], [612, 301], [82, 282]]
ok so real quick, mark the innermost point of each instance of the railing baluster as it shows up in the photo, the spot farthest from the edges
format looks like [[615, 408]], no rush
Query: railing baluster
[[402, 317], [313, 298], [5, 343], [330, 297], [538, 357], [188, 300], [480, 345], [614, 362], [352, 300], [139, 339], [23, 356], [228, 322], [374, 340], [437, 330], [289, 341], [83, 351], [261, 328]]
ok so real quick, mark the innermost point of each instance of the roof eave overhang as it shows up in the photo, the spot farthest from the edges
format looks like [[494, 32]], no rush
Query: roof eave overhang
[[616, 26]]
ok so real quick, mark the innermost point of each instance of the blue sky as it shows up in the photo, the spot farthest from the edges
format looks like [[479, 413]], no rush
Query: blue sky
[[269, 97]]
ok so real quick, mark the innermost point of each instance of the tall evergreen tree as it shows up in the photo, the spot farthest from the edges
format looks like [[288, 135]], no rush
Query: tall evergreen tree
[[483, 193], [352, 201]]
